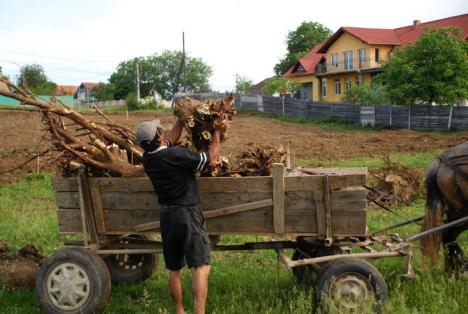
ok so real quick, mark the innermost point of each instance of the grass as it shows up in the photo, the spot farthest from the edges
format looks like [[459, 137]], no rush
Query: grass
[[240, 282], [122, 109], [328, 124], [419, 160]]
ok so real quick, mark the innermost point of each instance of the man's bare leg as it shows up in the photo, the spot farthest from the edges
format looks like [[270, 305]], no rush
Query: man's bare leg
[[175, 286], [200, 287]]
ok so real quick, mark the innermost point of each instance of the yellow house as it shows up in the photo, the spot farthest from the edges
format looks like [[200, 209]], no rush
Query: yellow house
[[353, 56]]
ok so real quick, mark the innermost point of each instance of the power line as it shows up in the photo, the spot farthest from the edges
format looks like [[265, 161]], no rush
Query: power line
[[53, 58]]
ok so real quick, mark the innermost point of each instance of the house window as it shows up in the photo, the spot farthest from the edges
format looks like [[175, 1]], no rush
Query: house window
[[324, 88], [348, 60], [377, 55], [358, 80], [348, 84], [362, 56], [337, 87], [335, 60]]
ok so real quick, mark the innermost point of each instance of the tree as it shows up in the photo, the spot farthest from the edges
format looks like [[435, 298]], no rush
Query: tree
[[433, 69], [243, 84], [103, 91], [282, 86], [299, 42], [33, 76], [158, 73]]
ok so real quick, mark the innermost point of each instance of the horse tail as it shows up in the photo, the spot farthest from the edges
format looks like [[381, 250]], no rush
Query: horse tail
[[435, 203]]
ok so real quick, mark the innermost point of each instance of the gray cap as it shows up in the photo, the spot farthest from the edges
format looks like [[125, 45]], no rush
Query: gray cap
[[146, 131]]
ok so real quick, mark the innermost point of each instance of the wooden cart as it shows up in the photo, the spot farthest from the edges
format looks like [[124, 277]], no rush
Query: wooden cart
[[319, 213]]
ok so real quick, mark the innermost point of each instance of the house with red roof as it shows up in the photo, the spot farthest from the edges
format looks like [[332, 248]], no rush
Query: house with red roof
[[84, 92], [354, 55], [65, 90]]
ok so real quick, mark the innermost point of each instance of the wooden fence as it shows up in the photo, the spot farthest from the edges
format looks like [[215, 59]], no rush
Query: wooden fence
[[419, 117]]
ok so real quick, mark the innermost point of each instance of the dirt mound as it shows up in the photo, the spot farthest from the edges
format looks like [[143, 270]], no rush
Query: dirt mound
[[395, 183], [21, 131], [20, 270]]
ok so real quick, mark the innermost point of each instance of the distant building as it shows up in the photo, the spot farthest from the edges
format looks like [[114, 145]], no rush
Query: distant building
[[353, 56], [84, 92], [65, 90], [259, 88]]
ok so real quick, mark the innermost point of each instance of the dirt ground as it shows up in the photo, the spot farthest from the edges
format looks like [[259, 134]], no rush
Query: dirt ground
[[20, 138]]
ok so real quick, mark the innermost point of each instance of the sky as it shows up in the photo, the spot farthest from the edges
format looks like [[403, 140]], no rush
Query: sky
[[84, 40]]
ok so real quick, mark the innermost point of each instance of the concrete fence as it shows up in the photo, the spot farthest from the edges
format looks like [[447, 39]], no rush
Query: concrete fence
[[107, 103]]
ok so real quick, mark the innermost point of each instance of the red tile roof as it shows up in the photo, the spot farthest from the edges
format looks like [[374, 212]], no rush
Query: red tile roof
[[88, 85], [65, 90], [308, 62], [408, 34], [398, 36]]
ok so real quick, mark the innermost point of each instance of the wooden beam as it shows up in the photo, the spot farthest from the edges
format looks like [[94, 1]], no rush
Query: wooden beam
[[326, 194], [216, 213], [86, 207], [278, 198]]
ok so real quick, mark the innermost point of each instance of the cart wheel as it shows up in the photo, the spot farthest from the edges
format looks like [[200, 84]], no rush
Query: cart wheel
[[307, 275], [350, 284], [73, 280], [131, 268]]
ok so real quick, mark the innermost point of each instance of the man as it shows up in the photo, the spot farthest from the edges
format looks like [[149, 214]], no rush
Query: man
[[172, 173]]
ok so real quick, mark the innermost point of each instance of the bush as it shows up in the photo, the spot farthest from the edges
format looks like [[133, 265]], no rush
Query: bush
[[133, 104], [364, 94]]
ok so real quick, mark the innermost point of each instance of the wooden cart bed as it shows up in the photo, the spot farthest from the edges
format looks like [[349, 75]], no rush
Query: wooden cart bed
[[332, 202]]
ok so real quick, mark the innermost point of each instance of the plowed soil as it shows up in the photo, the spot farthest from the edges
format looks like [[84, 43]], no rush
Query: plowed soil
[[20, 138]]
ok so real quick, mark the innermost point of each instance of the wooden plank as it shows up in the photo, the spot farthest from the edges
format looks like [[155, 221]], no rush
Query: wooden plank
[[259, 221], [326, 200], [296, 200], [215, 213], [64, 184], [98, 208], [278, 198], [244, 184], [86, 208], [320, 212], [69, 221], [237, 208], [67, 199]]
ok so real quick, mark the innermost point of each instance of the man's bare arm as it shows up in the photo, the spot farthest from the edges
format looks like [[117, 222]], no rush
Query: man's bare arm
[[213, 150], [174, 133]]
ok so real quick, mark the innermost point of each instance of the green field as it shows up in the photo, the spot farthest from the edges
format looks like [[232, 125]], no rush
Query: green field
[[240, 282]]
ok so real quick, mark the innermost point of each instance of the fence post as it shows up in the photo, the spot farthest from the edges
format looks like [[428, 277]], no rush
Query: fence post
[[409, 117], [282, 104], [391, 114], [449, 124]]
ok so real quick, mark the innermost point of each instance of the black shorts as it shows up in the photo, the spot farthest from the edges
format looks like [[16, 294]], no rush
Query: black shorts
[[184, 237]]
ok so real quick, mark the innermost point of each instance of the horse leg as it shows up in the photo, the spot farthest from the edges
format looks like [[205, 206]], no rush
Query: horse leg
[[455, 260]]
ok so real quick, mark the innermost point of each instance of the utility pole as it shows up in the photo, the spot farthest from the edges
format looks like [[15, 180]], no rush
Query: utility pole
[[181, 71], [137, 78]]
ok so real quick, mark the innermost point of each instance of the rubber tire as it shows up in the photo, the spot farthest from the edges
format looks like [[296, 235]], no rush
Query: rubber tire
[[98, 274], [351, 265], [121, 276], [307, 275]]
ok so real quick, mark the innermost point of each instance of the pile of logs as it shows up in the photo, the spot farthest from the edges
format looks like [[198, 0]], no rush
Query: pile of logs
[[201, 118], [108, 148], [257, 160], [394, 183]]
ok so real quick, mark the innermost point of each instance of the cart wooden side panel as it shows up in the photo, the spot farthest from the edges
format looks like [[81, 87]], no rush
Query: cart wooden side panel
[[120, 204]]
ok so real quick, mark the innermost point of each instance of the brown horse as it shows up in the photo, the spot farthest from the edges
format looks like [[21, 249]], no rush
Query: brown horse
[[447, 200]]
